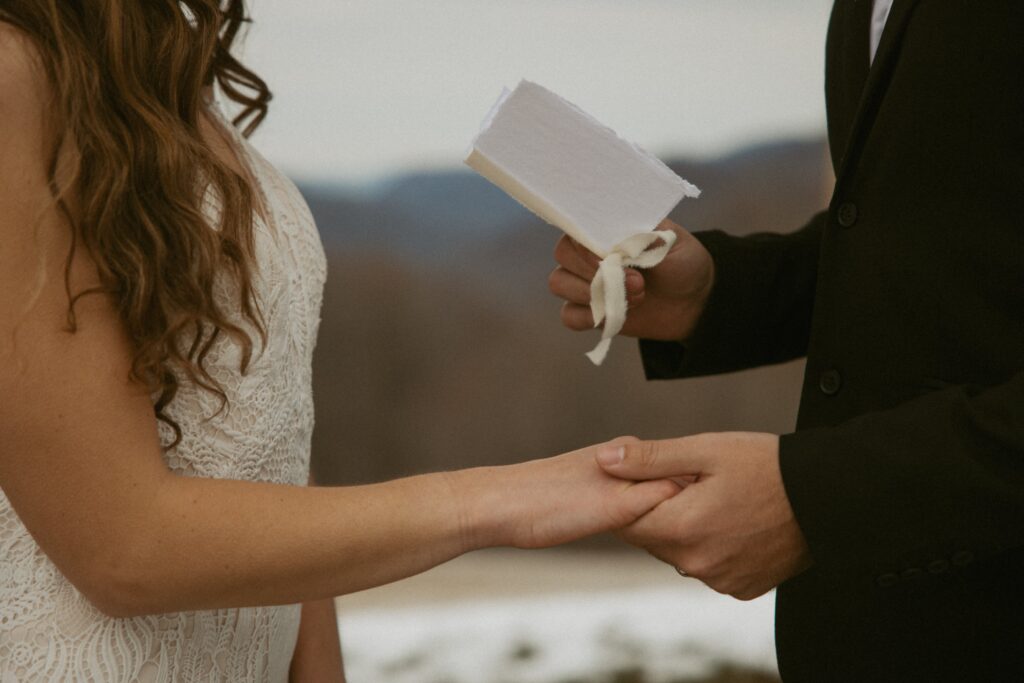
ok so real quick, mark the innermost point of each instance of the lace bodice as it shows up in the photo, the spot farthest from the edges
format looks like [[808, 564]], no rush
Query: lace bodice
[[50, 632]]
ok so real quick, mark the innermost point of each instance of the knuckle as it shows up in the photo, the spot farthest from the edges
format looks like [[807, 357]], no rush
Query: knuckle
[[572, 318], [668, 488], [566, 316], [718, 584], [702, 440], [562, 250], [700, 568], [645, 453], [554, 280], [747, 594], [742, 589]]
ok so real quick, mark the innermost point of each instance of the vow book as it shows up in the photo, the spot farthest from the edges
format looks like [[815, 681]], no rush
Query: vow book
[[606, 193]]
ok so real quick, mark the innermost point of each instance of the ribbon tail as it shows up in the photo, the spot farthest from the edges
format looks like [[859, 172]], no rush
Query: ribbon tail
[[598, 354], [597, 307], [614, 297], [609, 304], [608, 288]]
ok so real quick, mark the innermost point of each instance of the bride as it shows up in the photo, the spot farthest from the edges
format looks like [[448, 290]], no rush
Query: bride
[[160, 288]]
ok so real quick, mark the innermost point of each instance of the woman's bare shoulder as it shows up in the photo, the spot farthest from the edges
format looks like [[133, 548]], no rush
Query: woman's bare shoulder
[[23, 96], [23, 143], [23, 85], [33, 238]]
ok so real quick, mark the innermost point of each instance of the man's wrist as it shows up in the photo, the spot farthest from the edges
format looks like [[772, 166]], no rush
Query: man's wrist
[[699, 303]]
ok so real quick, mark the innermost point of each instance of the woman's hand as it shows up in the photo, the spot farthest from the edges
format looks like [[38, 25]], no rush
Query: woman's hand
[[556, 500], [665, 301]]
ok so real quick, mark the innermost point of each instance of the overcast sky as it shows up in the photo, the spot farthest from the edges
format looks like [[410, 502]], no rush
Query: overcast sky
[[365, 88]]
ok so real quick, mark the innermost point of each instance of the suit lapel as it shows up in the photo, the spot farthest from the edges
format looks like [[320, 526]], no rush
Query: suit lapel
[[846, 70], [865, 86]]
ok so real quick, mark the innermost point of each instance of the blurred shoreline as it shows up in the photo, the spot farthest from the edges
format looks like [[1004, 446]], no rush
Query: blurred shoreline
[[503, 573], [555, 616]]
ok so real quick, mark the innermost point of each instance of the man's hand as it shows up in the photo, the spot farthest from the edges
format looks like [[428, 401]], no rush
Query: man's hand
[[665, 301], [732, 527]]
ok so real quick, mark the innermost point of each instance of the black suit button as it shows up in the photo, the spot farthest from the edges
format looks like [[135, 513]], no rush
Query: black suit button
[[887, 580], [938, 567], [911, 574], [962, 558], [847, 214], [830, 382]]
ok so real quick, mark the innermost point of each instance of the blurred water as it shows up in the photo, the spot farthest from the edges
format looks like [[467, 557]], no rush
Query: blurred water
[[365, 88]]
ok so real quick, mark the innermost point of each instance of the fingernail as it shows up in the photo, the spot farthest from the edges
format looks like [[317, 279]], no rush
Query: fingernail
[[610, 455]]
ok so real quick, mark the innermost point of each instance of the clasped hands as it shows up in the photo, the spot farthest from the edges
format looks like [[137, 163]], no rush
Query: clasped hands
[[730, 525]]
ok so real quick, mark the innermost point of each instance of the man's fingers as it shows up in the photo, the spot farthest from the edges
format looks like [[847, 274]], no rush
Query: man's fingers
[[568, 286], [575, 258], [653, 459], [645, 496], [576, 290], [634, 282], [576, 317], [635, 287]]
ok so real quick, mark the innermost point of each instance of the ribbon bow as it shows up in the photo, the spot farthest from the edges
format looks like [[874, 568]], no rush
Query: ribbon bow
[[608, 288]]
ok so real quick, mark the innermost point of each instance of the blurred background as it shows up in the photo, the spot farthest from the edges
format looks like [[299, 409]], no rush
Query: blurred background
[[440, 346]]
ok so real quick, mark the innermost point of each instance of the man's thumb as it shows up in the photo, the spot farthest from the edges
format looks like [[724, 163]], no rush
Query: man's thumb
[[649, 459]]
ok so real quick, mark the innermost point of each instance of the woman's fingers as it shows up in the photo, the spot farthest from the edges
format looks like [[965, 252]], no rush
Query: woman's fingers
[[645, 496]]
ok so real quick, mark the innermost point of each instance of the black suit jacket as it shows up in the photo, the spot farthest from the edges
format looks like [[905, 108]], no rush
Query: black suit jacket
[[906, 470]]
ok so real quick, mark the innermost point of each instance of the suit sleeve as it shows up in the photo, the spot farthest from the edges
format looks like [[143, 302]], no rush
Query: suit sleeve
[[922, 488], [758, 312]]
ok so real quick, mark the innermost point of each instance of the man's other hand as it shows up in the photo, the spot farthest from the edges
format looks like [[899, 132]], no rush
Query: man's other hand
[[665, 302]]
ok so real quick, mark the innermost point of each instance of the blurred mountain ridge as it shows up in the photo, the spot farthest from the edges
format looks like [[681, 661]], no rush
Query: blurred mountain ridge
[[440, 345]]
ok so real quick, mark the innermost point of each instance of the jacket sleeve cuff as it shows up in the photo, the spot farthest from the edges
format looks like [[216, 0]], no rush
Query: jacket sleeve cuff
[[913, 486], [672, 360], [759, 308]]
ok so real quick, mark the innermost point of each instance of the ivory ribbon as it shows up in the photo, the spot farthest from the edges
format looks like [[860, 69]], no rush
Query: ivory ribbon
[[608, 288]]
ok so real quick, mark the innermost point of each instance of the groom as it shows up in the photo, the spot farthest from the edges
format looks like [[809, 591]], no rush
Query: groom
[[892, 519]]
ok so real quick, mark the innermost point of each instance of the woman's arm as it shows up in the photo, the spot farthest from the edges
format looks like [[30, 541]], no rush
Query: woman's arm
[[80, 462], [80, 459], [317, 655]]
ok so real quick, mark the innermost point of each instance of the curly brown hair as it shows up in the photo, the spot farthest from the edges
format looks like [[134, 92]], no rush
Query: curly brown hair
[[128, 80]]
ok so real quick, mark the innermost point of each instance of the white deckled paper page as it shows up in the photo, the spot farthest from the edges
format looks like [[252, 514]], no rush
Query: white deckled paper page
[[572, 171], [575, 173]]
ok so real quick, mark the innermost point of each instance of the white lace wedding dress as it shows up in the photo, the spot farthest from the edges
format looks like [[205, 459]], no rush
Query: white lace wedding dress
[[49, 632]]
